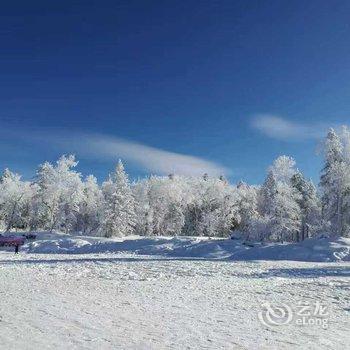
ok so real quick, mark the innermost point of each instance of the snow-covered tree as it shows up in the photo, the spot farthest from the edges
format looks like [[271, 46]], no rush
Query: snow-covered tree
[[143, 208], [332, 183], [280, 201], [267, 194], [15, 197], [285, 214], [335, 182], [60, 191], [285, 207], [174, 200], [345, 137], [177, 205], [212, 209], [283, 168], [90, 207], [247, 207], [160, 205], [309, 204], [119, 205]]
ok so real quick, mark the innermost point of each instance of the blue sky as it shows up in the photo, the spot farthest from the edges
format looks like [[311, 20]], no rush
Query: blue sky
[[223, 86]]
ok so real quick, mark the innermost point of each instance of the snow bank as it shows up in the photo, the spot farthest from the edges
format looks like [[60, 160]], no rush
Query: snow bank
[[316, 249]]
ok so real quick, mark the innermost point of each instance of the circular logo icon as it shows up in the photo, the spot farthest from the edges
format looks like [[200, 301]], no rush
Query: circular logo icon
[[275, 315]]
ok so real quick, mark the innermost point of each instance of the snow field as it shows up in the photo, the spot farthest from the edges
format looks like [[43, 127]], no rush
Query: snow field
[[129, 301]]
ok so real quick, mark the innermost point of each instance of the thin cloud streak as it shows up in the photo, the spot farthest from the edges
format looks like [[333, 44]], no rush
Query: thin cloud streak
[[283, 129], [152, 159], [105, 147]]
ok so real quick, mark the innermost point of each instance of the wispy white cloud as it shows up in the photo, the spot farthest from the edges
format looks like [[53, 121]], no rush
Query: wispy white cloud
[[283, 129], [149, 158], [106, 147]]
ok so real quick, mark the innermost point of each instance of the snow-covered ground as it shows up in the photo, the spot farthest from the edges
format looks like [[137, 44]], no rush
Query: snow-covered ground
[[317, 250], [88, 293]]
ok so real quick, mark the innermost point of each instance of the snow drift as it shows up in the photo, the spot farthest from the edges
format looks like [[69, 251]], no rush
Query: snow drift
[[315, 249]]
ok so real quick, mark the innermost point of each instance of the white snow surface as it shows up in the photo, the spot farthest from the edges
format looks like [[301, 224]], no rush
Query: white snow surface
[[315, 249], [66, 292]]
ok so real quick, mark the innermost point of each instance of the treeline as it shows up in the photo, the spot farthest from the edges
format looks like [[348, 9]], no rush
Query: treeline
[[286, 207]]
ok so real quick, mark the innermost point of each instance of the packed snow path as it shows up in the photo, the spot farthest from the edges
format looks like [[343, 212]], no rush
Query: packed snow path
[[125, 301]]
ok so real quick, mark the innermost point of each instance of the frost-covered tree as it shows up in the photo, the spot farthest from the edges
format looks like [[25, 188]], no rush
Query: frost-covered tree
[[15, 197], [60, 192], [309, 204], [119, 205], [158, 201], [332, 182], [143, 208], [90, 207], [248, 209], [267, 194], [285, 207], [160, 205], [34, 208], [212, 209], [283, 168], [285, 217], [345, 137], [177, 205], [335, 182], [174, 200], [280, 201]]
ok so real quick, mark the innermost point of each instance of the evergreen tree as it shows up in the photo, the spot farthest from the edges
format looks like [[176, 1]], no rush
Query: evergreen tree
[[267, 194], [333, 183], [279, 201], [309, 205], [119, 210]]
